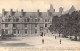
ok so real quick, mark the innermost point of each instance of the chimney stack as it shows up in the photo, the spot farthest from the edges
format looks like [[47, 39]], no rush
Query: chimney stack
[[60, 10], [22, 12], [38, 10], [11, 12], [3, 12]]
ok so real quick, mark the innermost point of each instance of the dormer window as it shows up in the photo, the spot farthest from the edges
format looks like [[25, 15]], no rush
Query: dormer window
[[2, 20], [9, 16], [9, 20], [36, 20], [14, 20], [17, 19], [28, 20]]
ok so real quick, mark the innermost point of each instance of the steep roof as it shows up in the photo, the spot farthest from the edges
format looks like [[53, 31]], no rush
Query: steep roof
[[72, 9]]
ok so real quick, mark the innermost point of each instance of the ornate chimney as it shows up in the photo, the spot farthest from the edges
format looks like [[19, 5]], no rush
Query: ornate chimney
[[3, 12], [38, 12], [52, 10], [60, 10], [22, 12], [11, 12]]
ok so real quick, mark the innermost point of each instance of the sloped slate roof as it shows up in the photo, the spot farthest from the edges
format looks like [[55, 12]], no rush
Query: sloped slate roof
[[57, 14], [33, 14]]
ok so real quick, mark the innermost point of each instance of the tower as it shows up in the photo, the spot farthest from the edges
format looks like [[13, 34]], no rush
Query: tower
[[60, 10], [52, 10], [72, 9]]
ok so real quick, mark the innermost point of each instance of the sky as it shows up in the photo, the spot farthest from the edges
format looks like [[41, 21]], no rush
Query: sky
[[33, 5]]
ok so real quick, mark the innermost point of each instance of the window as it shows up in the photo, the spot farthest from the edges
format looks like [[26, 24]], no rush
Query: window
[[35, 30], [45, 25], [41, 28], [18, 31], [25, 31], [14, 25], [46, 20], [25, 25], [2, 31], [6, 25], [14, 31], [35, 25], [6, 31]]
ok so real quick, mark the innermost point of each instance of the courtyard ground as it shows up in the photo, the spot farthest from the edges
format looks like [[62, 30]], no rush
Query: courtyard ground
[[34, 43]]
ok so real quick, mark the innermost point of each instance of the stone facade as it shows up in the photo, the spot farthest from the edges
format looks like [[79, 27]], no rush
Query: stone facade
[[21, 22]]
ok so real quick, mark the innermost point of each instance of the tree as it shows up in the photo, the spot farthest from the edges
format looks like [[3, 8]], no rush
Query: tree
[[67, 24]]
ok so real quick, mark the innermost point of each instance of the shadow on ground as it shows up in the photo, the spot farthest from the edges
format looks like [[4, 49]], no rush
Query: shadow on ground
[[15, 44]]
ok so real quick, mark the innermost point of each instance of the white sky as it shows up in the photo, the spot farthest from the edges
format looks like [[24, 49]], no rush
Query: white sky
[[33, 5]]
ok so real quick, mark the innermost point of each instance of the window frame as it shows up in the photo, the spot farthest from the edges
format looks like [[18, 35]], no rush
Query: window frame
[[14, 25], [6, 25], [6, 31], [14, 31], [35, 30], [25, 25], [25, 31], [35, 25]]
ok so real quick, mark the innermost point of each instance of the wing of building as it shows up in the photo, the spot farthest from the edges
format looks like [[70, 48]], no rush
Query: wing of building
[[28, 23]]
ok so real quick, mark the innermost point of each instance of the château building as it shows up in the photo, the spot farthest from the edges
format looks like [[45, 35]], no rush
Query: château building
[[21, 22]]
